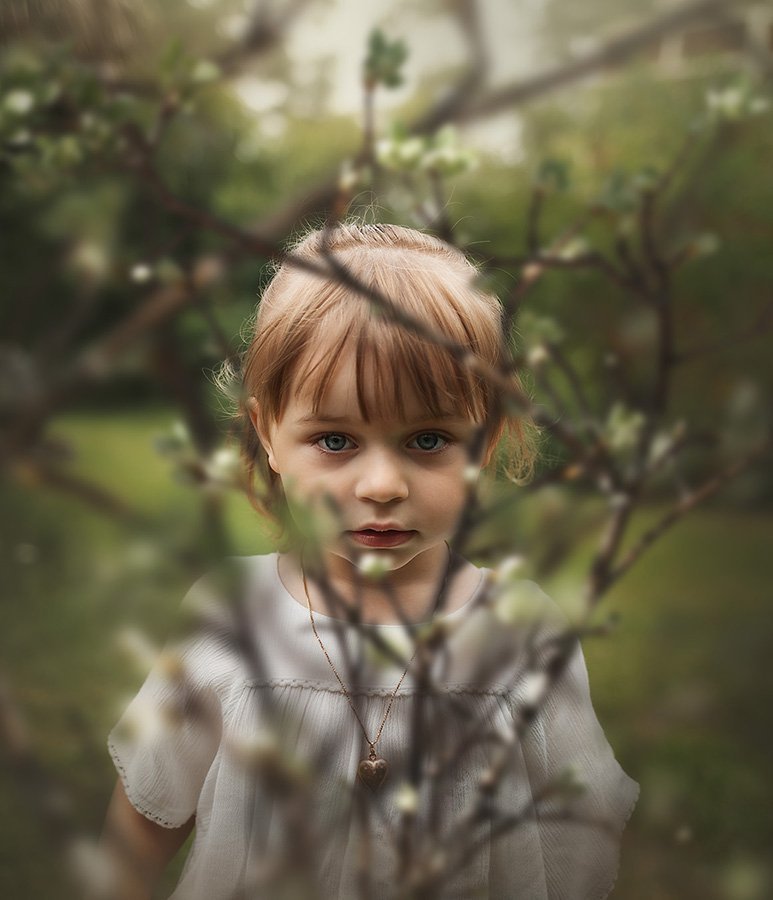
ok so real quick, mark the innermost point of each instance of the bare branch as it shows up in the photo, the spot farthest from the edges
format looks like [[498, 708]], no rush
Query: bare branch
[[98, 498], [612, 55], [263, 34], [708, 489]]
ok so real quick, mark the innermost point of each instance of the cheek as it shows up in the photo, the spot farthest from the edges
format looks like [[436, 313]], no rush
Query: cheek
[[315, 514], [311, 492], [310, 481], [446, 494]]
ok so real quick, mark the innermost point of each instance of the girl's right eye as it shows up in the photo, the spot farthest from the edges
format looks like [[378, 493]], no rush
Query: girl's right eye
[[334, 443]]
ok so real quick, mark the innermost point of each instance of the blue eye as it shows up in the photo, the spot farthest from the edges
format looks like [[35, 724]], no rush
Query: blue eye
[[428, 441], [334, 443]]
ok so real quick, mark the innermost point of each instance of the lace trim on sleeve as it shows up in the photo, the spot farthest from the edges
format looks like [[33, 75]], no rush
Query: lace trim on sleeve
[[132, 795]]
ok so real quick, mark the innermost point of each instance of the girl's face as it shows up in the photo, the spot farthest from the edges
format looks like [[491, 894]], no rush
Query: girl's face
[[396, 486]]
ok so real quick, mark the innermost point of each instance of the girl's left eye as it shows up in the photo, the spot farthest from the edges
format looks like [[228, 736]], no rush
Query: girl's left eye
[[428, 441]]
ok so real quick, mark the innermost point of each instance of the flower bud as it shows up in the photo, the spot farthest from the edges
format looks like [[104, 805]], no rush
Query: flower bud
[[374, 565], [407, 799]]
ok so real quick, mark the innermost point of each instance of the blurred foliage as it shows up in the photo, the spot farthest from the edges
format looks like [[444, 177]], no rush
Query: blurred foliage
[[147, 107]]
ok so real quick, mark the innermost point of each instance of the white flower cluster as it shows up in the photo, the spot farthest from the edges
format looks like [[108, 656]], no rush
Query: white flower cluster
[[374, 565], [135, 644], [407, 798], [623, 427], [223, 466], [19, 102], [441, 153], [732, 103]]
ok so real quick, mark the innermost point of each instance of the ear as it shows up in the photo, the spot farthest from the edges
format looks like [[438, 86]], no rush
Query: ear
[[263, 437]]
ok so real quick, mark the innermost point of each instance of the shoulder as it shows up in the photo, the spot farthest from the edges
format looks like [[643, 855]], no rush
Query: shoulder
[[512, 602], [231, 585], [217, 613], [504, 629], [519, 601]]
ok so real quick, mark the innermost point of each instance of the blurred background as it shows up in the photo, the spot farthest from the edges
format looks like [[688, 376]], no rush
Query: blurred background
[[154, 158]]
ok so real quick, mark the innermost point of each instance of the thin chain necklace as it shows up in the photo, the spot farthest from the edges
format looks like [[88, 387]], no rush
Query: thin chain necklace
[[373, 770]]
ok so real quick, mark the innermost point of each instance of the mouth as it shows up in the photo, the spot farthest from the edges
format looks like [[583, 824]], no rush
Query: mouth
[[381, 537]]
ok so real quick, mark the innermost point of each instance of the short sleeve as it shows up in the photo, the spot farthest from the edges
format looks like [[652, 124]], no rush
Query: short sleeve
[[580, 822], [165, 742]]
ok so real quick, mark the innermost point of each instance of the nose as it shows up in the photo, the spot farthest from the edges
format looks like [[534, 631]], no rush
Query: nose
[[381, 478]]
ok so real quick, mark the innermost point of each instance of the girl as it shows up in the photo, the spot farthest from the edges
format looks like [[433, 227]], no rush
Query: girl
[[366, 713]]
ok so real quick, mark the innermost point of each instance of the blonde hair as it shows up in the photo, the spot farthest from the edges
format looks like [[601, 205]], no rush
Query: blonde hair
[[416, 276]]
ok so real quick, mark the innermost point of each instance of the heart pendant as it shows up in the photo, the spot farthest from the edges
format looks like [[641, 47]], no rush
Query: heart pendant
[[373, 772]]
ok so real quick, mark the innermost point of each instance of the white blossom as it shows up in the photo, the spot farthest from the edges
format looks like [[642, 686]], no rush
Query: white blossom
[[571, 780], [205, 71], [538, 356], [519, 601], [407, 798], [573, 249], [726, 104], [374, 565], [93, 868], [349, 176], [509, 567], [471, 474], [137, 646], [19, 102], [257, 747], [396, 154], [140, 273], [623, 427], [145, 721], [223, 465], [533, 688]]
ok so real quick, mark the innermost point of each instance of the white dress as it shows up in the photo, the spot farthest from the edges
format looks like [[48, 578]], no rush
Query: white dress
[[243, 724]]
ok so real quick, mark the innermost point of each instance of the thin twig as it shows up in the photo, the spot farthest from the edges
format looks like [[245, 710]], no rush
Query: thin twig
[[708, 489]]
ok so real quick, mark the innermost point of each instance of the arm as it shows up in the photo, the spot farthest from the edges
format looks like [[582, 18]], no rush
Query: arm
[[138, 849]]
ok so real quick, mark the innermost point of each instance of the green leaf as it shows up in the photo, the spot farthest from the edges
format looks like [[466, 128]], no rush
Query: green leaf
[[553, 175], [384, 60], [619, 193]]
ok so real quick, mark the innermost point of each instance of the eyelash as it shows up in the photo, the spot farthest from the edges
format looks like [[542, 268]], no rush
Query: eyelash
[[318, 442]]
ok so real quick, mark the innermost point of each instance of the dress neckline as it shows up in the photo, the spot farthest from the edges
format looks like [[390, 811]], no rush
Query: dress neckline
[[335, 620]]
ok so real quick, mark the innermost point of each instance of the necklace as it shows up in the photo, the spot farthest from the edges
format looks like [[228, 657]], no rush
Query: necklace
[[373, 770]]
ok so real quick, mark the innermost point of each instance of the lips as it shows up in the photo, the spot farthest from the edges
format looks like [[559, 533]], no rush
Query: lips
[[381, 537]]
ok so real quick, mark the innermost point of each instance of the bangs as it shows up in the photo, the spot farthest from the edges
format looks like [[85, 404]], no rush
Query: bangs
[[391, 364]]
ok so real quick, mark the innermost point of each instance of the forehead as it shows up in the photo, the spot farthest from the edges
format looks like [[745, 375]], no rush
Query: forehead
[[349, 391], [382, 373]]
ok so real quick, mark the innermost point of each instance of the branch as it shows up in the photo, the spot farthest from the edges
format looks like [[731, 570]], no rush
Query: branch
[[83, 490], [611, 55], [710, 487], [573, 378]]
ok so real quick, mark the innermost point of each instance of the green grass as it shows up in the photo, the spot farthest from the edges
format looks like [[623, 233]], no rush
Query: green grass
[[684, 693], [681, 687]]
